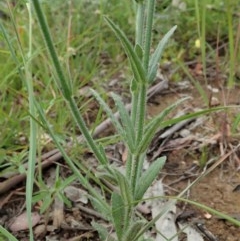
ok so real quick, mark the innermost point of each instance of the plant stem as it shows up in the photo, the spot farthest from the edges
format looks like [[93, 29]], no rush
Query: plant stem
[[148, 33], [135, 92], [142, 95], [139, 98]]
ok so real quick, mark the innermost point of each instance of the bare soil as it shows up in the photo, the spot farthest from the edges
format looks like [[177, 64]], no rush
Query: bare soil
[[220, 189]]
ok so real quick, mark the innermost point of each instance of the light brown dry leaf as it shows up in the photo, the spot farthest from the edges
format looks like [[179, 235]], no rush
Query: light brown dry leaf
[[21, 223], [58, 213], [39, 230], [124, 155]]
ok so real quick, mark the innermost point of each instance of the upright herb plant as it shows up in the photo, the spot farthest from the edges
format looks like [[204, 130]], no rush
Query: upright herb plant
[[133, 129]]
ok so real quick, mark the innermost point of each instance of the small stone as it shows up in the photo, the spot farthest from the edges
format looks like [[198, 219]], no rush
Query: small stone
[[184, 133]]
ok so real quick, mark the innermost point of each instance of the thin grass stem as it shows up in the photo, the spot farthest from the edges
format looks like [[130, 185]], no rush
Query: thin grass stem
[[63, 84], [203, 38], [230, 44], [33, 129]]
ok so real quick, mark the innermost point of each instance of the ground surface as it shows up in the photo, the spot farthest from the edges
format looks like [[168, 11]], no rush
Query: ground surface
[[220, 188]]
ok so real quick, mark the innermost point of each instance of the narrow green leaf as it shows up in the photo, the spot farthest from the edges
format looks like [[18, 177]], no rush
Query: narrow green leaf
[[103, 173], [47, 201], [137, 68], [127, 197], [155, 58], [118, 211], [125, 188], [195, 82], [154, 124], [133, 230], [139, 51], [229, 218], [134, 85], [99, 207], [148, 177], [126, 122], [191, 115]]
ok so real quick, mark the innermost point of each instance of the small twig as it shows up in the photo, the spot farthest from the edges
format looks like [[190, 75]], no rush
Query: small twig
[[205, 232], [91, 212]]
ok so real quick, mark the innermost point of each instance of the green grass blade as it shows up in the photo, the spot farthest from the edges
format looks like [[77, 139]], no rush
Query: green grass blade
[[210, 210], [12, 51], [232, 61], [158, 125], [137, 68], [62, 81], [148, 177], [33, 129], [196, 83], [155, 58], [7, 234], [189, 116], [26, 76], [154, 124]]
